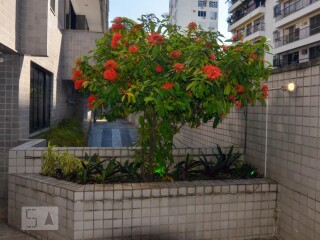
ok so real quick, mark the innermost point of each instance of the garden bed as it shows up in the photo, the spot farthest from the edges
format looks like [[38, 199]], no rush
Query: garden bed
[[213, 209]]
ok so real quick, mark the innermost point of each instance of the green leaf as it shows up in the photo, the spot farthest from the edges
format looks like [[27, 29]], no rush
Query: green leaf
[[216, 122]]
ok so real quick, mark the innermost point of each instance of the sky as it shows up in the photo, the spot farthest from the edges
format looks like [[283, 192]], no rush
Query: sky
[[135, 8]]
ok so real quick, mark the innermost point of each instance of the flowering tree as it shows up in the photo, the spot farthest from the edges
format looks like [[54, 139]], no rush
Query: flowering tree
[[172, 77]]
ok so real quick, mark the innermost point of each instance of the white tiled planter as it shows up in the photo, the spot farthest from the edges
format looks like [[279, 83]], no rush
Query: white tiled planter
[[231, 209]]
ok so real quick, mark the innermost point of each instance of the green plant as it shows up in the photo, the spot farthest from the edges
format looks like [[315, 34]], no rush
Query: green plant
[[187, 169], [223, 164], [50, 162], [172, 77], [129, 171], [69, 166], [68, 133], [246, 170], [92, 168]]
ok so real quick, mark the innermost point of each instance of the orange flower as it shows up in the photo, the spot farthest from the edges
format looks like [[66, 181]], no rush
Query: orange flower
[[76, 74], [118, 20], [133, 48], [167, 86], [211, 71], [116, 40], [111, 64], [123, 92], [264, 95], [237, 37], [239, 89], [238, 104], [117, 27], [175, 54], [192, 26], [110, 74], [78, 62], [159, 69], [178, 67], [155, 38]]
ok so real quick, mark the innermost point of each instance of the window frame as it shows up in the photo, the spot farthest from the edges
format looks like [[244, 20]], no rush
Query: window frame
[[53, 6], [40, 98], [202, 14]]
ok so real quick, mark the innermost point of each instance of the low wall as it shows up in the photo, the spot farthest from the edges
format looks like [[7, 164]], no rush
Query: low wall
[[229, 209]]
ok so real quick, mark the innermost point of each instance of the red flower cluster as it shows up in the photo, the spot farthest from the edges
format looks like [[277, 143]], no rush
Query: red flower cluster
[[167, 86], [78, 80], [239, 89], [232, 98], [192, 26], [116, 40], [91, 99], [238, 104], [211, 71], [76, 74], [253, 56], [178, 67], [78, 84], [237, 37], [117, 27], [155, 38], [159, 69], [175, 54], [118, 20], [110, 73], [225, 48], [123, 92], [213, 57], [133, 48], [265, 90], [111, 64]]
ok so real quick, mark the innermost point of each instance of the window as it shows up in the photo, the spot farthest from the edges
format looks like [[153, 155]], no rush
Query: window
[[291, 58], [213, 15], [315, 24], [202, 3], [202, 14], [53, 5], [314, 52], [249, 29], [213, 4], [40, 98], [277, 10]]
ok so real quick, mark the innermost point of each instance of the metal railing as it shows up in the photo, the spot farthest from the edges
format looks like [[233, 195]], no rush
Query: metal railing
[[292, 8], [297, 35], [253, 29], [280, 63], [242, 12]]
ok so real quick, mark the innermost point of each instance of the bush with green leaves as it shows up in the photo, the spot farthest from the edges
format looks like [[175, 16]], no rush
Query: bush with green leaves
[[172, 77]]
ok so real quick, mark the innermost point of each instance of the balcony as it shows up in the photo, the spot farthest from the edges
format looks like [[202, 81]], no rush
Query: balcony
[[241, 12], [253, 29], [278, 15], [297, 35]]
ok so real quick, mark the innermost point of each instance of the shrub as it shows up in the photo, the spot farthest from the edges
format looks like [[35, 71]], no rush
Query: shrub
[[174, 77], [68, 133]]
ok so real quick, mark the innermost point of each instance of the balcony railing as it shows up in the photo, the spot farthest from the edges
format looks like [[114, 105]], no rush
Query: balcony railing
[[253, 29], [280, 63], [297, 35], [292, 8], [242, 12]]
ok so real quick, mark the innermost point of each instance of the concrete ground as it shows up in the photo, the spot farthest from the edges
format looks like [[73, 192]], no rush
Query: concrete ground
[[9, 233], [120, 133]]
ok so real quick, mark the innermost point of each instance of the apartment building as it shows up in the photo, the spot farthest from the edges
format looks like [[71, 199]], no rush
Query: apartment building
[[39, 42], [293, 27], [296, 32], [202, 12]]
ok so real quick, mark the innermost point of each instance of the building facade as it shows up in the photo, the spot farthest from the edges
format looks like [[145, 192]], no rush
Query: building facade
[[292, 27], [202, 12], [39, 42]]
